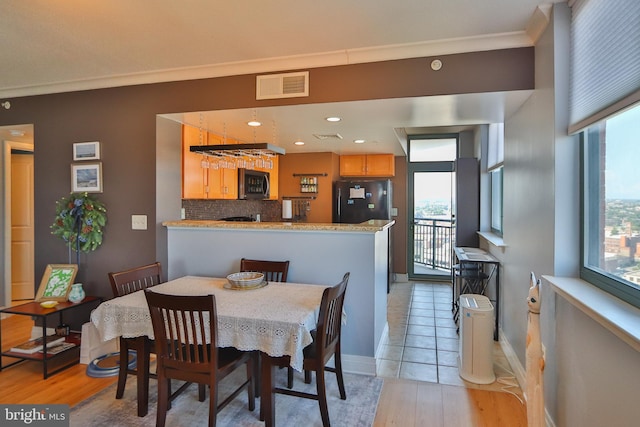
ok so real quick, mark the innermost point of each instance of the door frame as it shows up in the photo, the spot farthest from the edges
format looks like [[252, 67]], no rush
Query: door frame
[[5, 247]]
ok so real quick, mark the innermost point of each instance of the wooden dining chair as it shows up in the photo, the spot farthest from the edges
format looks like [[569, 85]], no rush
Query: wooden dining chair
[[123, 283], [185, 329], [326, 344], [274, 271]]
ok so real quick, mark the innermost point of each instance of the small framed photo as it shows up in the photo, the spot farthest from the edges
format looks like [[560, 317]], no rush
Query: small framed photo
[[56, 282], [86, 177], [86, 151]]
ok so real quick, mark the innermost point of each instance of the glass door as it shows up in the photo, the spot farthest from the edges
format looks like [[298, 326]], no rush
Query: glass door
[[431, 207]]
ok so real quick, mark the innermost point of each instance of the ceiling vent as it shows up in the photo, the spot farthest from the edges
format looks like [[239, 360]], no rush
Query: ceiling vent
[[288, 85], [323, 137]]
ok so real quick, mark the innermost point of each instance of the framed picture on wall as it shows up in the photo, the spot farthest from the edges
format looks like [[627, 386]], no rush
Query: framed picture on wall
[[56, 282], [86, 177], [86, 151]]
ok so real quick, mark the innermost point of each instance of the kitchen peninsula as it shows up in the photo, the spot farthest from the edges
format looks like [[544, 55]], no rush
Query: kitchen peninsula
[[319, 253]]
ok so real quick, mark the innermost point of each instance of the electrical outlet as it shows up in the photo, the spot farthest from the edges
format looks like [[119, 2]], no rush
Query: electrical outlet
[[183, 214], [138, 222]]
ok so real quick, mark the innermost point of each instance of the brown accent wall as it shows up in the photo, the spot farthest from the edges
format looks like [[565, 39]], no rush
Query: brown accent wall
[[124, 121]]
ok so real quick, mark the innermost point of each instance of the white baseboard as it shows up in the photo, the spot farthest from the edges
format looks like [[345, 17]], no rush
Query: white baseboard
[[400, 277], [520, 372], [361, 365], [384, 339]]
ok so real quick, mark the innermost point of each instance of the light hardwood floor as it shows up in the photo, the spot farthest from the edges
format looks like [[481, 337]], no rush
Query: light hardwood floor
[[402, 402]]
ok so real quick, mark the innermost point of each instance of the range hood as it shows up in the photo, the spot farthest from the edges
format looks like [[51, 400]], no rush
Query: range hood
[[238, 150]]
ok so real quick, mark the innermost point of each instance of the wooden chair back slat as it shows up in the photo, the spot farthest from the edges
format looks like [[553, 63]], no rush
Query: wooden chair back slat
[[135, 279], [274, 271]]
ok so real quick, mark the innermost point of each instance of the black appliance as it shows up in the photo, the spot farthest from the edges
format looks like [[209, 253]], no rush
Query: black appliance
[[237, 219], [253, 184], [359, 201]]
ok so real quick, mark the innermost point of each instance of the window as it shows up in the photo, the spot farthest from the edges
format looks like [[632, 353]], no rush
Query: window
[[496, 200], [495, 162], [611, 205], [433, 149]]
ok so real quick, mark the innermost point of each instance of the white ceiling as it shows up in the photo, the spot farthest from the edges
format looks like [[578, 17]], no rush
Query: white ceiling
[[49, 47]]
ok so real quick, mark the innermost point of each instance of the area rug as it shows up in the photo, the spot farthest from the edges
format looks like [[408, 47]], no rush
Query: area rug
[[363, 392]]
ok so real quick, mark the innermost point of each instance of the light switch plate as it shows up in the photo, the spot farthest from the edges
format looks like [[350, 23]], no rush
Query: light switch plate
[[138, 222], [394, 211]]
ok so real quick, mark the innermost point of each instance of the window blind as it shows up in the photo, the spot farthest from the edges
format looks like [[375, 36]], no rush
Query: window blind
[[605, 59]]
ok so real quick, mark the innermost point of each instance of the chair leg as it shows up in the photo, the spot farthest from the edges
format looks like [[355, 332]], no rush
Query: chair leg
[[338, 369], [202, 392], [251, 385], [257, 381], [163, 401], [123, 369], [289, 377], [213, 403], [322, 397], [307, 377]]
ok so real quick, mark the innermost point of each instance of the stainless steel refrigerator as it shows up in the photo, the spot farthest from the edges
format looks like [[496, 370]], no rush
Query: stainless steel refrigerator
[[361, 200]]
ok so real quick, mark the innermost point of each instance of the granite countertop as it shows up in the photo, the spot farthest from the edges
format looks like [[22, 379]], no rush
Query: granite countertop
[[370, 226]]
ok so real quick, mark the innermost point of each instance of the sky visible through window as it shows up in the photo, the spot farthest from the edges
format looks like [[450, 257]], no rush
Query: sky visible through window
[[623, 156]]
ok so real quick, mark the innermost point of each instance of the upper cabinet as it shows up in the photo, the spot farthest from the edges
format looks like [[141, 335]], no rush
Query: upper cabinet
[[194, 176], [204, 177], [373, 165]]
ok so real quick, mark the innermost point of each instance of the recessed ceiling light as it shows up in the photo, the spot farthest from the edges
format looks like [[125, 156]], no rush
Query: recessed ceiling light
[[254, 123], [299, 143], [333, 119], [14, 132], [359, 141]]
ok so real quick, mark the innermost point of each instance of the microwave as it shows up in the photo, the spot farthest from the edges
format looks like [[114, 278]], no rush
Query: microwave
[[253, 184]]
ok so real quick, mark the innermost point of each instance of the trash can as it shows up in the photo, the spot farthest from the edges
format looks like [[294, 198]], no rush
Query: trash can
[[475, 357]]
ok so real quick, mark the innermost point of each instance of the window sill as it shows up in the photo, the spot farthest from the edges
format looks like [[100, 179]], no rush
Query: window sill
[[492, 238], [619, 317]]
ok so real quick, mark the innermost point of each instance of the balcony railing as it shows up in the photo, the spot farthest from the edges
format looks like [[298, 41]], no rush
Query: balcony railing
[[432, 242]]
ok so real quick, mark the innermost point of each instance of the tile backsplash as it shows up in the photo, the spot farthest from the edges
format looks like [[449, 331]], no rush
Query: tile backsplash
[[269, 210]]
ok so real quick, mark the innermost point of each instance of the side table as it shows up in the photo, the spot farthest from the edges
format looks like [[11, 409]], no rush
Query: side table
[[34, 309]]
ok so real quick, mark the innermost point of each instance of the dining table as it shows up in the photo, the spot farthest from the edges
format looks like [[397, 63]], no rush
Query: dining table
[[275, 319]]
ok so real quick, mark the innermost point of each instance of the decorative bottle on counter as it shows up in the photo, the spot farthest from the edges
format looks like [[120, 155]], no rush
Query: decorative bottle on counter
[[77, 293]]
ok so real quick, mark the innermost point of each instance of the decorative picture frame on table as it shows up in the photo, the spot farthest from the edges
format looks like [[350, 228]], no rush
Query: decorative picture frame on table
[[86, 177], [56, 282], [86, 151]]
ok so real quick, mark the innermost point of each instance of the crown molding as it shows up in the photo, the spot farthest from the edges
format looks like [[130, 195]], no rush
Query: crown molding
[[277, 64], [538, 22]]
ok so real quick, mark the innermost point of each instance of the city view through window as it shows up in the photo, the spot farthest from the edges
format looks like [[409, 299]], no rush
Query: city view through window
[[620, 250]]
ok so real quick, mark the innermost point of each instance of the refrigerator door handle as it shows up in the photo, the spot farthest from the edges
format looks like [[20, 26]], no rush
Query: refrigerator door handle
[[338, 205]]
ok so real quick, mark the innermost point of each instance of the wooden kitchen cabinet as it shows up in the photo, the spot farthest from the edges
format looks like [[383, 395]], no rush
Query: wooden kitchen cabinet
[[194, 176], [200, 181], [222, 184], [373, 165]]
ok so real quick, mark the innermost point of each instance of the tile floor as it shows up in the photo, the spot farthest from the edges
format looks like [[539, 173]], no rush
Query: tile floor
[[423, 342]]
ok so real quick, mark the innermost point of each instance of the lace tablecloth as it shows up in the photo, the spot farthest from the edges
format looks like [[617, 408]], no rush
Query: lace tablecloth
[[276, 319]]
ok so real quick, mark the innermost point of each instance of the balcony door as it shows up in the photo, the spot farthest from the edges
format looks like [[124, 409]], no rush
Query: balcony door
[[431, 206]]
